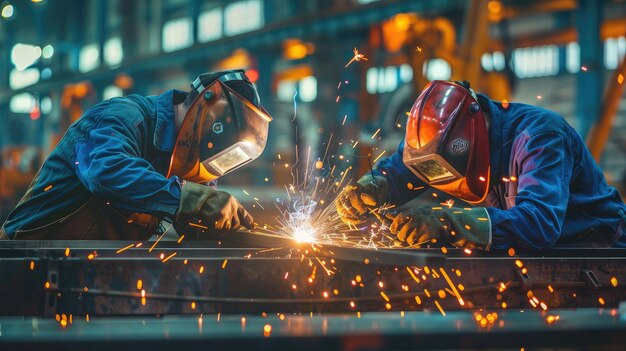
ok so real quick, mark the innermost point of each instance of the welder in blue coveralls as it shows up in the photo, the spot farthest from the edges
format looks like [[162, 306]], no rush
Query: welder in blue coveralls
[[529, 176], [129, 162]]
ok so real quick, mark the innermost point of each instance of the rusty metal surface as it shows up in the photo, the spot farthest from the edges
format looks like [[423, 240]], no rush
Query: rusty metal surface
[[233, 280]]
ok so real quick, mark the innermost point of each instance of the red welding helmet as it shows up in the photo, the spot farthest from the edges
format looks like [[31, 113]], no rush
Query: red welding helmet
[[447, 142], [224, 128]]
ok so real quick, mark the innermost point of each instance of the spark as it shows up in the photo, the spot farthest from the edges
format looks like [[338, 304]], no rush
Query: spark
[[139, 284], [440, 309], [375, 133], [418, 49], [620, 79], [614, 282], [601, 301], [267, 330], [170, 256], [456, 292], [224, 263], [449, 203], [356, 58], [196, 225], [379, 156], [181, 238], [48, 187], [161, 237], [551, 319], [32, 265], [124, 248]]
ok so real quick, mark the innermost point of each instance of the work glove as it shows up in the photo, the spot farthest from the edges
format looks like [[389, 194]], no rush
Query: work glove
[[461, 227], [355, 201], [217, 210]]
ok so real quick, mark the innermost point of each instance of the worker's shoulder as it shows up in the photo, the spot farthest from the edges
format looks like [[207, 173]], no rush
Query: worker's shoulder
[[533, 120], [132, 108]]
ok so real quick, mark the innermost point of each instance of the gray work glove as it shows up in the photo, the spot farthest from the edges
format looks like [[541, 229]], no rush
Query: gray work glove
[[460, 227], [217, 210], [355, 201]]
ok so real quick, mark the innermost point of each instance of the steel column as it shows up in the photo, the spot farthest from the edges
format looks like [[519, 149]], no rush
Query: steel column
[[589, 83]]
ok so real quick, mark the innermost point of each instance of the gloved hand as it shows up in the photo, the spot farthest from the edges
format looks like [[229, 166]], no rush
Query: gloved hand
[[217, 210], [354, 201], [460, 227]]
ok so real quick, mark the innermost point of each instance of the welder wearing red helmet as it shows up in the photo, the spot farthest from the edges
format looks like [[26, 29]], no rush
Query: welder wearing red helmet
[[529, 176]]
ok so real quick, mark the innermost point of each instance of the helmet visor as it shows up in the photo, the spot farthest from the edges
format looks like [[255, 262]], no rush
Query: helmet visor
[[221, 132]]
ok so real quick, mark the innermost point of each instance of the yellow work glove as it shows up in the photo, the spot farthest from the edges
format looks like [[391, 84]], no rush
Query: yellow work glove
[[460, 227], [355, 201]]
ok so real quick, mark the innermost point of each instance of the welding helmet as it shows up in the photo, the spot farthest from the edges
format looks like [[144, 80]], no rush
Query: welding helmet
[[224, 128], [447, 141]]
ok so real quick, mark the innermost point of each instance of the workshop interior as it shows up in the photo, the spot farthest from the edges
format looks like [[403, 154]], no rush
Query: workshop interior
[[310, 119]]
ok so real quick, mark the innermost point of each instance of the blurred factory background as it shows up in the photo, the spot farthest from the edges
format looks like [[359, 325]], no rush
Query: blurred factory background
[[59, 57]]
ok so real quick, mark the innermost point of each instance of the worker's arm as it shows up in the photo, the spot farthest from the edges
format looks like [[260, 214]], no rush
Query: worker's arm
[[110, 165], [403, 185], [545, 165]]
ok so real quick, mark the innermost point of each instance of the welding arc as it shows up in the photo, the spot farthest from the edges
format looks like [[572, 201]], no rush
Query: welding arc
[[336, 300]]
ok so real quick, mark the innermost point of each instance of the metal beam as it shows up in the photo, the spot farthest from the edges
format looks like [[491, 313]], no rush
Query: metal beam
[[313, 25]]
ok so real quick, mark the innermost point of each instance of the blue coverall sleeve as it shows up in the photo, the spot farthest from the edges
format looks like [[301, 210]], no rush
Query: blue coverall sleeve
[[545, 168], [399, 177], [109, 163]]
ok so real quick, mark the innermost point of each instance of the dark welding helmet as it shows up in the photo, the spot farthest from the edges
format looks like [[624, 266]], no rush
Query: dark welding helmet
[[224, 128], [447, 141]]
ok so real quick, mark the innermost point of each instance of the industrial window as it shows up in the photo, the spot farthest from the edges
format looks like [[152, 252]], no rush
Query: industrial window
[[22, 103], [24, 55], [572, 57], [45, 105], [437, 69], [210, 25], [113, 52], [243, 16], [112, 91], [20, 79], [176, 34], [387, 79], [306, 88], [285, 90], [614, 52], [538, 61], [493, 61], [88, 58]]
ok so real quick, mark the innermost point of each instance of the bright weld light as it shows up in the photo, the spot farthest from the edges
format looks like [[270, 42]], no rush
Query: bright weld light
[[304, 234]]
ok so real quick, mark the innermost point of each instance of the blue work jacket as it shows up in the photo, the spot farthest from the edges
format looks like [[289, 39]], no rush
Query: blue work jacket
[[119, 151], [558, 194]]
